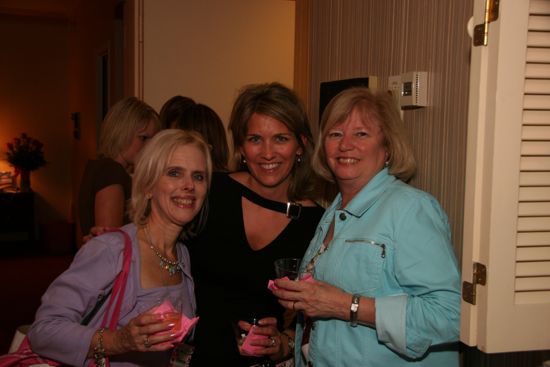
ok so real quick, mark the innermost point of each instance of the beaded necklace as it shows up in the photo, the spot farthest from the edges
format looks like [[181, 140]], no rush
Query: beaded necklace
[[171, 266], [324, 246]]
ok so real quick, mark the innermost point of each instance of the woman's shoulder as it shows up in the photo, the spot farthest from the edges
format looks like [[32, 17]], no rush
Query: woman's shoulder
[[403, 195], [109, 244], [106, 171], [221, 178], [239, 176], [104, 162], [222, 183]]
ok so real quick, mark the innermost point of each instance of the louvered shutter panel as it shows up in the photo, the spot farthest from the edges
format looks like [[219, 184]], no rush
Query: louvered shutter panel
[[533, 241], [507, 196]]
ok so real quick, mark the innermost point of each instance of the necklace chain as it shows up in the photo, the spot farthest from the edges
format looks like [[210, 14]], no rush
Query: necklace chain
[[171, 266], [324, 247]]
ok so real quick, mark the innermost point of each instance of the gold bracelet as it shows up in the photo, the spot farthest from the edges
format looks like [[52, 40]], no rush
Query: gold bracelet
[[99, 350], [290, 343]]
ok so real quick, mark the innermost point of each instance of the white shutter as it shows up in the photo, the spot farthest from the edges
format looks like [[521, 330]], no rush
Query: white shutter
[[532, 283], [507, 201]]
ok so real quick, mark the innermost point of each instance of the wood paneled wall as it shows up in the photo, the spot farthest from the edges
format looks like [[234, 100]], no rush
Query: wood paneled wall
[[340, 39]]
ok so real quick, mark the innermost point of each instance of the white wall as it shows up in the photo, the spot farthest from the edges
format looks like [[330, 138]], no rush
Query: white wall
[[208, 49]]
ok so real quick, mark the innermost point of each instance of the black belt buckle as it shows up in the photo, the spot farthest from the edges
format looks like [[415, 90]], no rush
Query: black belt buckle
[[293, 210]]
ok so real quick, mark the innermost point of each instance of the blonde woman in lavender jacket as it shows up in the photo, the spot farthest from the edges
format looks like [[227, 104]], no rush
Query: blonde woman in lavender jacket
[[170, 185]]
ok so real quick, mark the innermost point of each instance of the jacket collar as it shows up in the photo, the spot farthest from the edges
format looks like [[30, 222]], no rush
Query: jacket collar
[[368, 195]]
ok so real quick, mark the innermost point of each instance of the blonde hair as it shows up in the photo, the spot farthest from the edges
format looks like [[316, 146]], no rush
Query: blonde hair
[[150, 166], [121, 123], [376, 106]]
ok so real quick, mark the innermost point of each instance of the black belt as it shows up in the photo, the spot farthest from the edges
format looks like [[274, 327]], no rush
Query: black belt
[[291, 209]]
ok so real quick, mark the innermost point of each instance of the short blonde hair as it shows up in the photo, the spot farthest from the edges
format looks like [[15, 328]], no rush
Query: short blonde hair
[[378, 106], [150, 166], [121, 123]]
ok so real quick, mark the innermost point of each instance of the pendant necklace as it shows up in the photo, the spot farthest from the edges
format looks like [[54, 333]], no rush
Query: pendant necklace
[[172, 267]]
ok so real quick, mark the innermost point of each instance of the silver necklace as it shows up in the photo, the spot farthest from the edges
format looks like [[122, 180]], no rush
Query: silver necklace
[[172, 267]]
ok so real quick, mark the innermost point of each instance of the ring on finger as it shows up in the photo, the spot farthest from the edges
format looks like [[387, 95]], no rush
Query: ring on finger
[[272, 341], [146, 343]]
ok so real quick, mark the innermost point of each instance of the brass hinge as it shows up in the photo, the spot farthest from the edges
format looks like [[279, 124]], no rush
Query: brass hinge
[[469, 289], [481, 31]]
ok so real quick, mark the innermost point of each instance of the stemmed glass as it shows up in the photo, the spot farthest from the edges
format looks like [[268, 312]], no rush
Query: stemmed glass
[[288, 267]]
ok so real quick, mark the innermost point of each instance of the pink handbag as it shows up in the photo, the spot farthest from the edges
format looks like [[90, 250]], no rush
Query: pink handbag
[[24, 356]]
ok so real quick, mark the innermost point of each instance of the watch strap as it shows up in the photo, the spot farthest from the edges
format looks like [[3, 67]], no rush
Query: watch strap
[[354, 308]]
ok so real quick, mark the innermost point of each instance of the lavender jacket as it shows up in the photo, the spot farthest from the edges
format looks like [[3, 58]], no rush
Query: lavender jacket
[[57, 333]]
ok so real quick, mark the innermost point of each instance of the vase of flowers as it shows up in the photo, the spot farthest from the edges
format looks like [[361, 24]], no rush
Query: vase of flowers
[[25, 154]]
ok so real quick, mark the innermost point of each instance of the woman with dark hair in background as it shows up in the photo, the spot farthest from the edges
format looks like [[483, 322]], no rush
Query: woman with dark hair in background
[[173, 108], [183, 113], [262, 212]]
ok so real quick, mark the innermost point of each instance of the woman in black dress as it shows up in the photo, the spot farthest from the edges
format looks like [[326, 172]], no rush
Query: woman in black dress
[[263, 211]]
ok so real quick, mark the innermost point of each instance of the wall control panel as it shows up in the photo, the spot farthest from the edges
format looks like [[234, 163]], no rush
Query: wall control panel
[[409, 89]]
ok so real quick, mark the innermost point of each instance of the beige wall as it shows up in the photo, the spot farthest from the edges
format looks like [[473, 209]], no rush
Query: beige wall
[[342, 39], [207, 49]]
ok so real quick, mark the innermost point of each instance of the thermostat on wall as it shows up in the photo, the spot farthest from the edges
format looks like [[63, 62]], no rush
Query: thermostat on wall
[[410, 89]]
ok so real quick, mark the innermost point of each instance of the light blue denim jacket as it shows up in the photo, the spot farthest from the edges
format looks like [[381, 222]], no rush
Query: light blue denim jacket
[[392, 243]]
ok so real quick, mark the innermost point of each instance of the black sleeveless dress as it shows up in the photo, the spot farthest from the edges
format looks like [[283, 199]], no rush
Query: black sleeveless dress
[[230, 277]]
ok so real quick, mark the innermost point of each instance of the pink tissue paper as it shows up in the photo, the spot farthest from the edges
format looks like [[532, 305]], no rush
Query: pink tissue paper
[[306, 278], [183, 324], [252, 350]]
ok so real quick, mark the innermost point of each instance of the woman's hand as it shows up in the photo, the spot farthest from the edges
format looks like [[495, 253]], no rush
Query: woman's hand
[[314, 298], [146, 332], [274, 345]]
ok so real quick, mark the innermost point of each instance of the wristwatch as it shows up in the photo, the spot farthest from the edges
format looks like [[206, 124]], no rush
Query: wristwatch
[[353, 310]]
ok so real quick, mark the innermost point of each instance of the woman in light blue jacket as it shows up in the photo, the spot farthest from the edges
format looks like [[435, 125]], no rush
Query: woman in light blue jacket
[[386, 288]]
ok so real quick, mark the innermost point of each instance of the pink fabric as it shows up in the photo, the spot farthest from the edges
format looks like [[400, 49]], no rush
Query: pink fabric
[[24, 357], [252, 350], [306, 278], [119, 287], [183, 325]]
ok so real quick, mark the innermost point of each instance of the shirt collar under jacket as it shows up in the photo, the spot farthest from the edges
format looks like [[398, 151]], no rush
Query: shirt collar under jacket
[[368, 195]]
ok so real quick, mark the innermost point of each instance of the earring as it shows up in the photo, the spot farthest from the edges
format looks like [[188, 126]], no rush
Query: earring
[[298, 158], [244, 160], [386, 164]]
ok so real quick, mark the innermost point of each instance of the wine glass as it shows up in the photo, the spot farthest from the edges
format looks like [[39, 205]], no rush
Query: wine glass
[[288, 267]]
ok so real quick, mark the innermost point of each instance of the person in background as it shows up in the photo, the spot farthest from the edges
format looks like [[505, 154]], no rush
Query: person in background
[[201, 118], [386, 289], [170, 185], [173, 108], [262, 212], [106, 184]]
